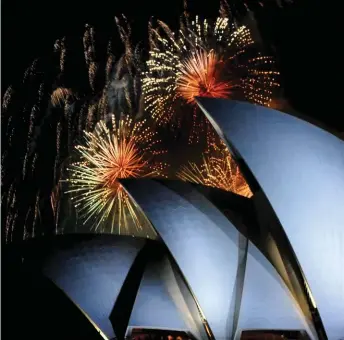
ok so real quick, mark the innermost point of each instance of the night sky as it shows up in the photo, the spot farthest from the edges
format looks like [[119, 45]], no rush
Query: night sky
[[298, 33], [30, 29]]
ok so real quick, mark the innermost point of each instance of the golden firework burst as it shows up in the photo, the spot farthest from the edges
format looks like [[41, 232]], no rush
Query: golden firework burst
[[211, 59], [218, 170], [123, 149], [219, 59]]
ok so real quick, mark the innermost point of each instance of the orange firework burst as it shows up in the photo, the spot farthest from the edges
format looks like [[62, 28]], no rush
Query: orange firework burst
[[217, 59], [200, 77], [122, 160], [219, 171], [124, 150]]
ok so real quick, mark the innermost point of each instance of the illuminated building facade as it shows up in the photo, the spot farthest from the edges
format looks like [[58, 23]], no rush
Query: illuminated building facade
[[224, 266]]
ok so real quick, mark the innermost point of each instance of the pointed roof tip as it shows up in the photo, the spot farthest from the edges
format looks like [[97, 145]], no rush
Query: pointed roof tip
[[207, 106], [206, 102], [129, 183], [130, 180], [123, 181], [216, 110], [201, 100]]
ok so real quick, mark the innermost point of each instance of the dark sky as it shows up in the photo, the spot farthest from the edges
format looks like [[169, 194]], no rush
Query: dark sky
[[29, 29]]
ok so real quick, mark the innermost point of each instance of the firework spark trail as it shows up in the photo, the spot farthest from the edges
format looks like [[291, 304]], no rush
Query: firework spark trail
[[225, 10], [125, 35], [63, 51], [33, 164], [6, 101], [22, 115], [92, 109], [127, 84], [109, 63], [33, 132], [69, 115], [29, 137], [54, 198], [9, 194], [30, 71], [218, 170], [26, 130], [216, 59], [60, 98], [25, 233], [57, 217], [60, 47], [90, 54], [68, 112], [58, 147], [12, 217], [3, 172], [15, 216], [151, 40], [127, 149], [82, 119], [279, 3], [36, 215], [240, 9], [9, 129], [102, 105], [10, 203], [60, 95]]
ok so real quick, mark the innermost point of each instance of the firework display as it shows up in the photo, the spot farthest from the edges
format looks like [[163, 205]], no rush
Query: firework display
[[127, 149], [45, 116], [218, 59], [71, 129], [217, 170]]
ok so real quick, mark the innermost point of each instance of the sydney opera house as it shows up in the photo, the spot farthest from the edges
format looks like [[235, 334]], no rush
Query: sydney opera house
[[221, 266]]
